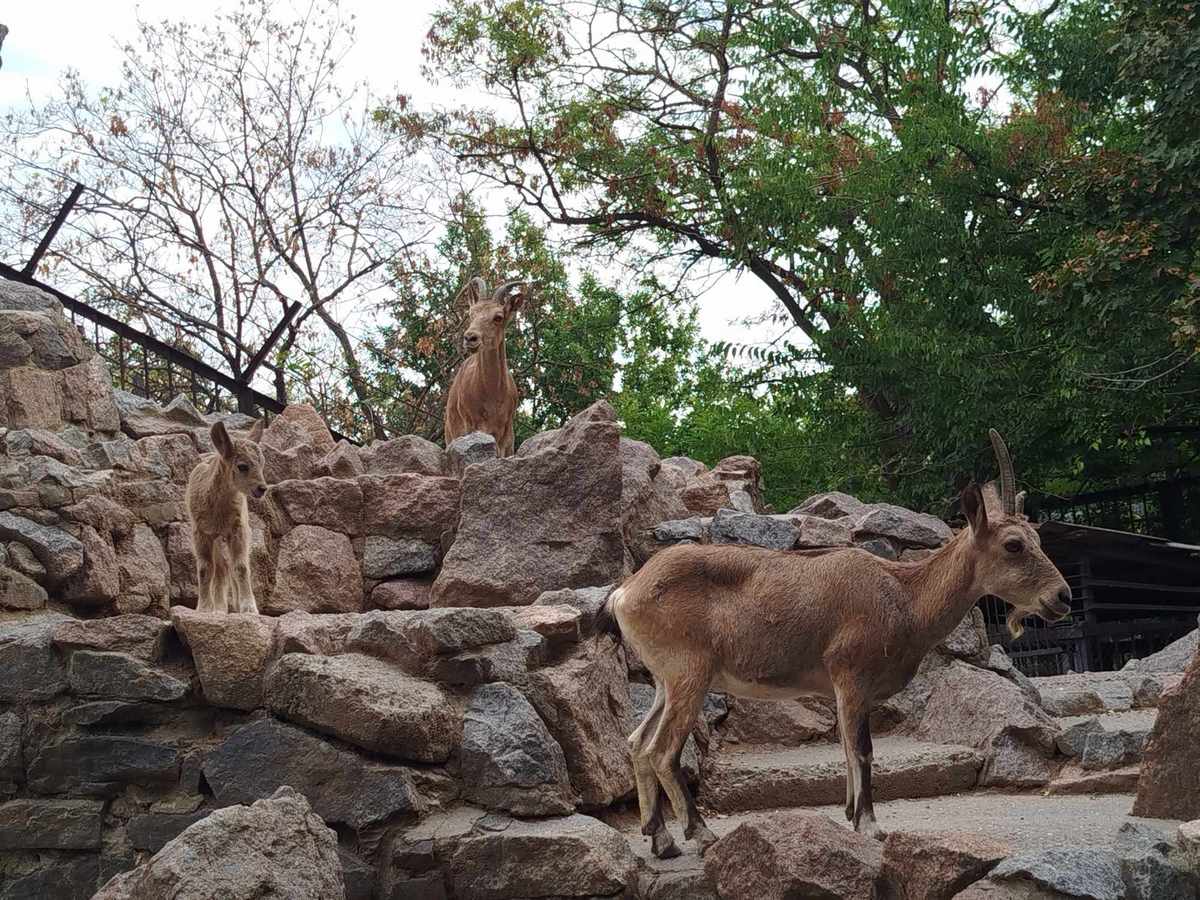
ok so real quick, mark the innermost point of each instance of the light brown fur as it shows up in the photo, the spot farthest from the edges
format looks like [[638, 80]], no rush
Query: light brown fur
[[216, 505], [483, 396], [841, 624]]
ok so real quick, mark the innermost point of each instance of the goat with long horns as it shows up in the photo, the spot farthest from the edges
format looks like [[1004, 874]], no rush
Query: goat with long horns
[[843, 624]]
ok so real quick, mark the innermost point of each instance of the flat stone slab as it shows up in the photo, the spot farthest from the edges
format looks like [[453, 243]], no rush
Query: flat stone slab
[[1028, 822], [815, 774]]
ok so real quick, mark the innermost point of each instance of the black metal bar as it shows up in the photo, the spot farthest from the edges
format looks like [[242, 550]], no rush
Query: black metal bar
[[162, 349], [272, 338], [44, 245]]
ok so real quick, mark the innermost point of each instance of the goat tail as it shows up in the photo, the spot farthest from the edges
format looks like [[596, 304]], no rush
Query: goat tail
[[605, 621]]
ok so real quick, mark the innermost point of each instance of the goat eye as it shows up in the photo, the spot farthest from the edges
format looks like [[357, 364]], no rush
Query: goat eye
[[498, 317], [243, 468], [1013, 546]]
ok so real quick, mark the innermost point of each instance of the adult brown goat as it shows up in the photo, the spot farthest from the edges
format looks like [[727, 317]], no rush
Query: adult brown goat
[[842, 624], [483, 396]]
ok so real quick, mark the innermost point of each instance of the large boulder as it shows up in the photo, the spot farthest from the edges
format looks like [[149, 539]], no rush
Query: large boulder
[[231, 653], [143, 570], [979, 708], [1087, 872], [143, 637], [650, 494], [60, 553], [259, 758], [509, 760], [274, 848], [540, 520], [316, 572], [503, 858], [794, 854], [584, 701], [102, 765], [407, 453], [294, 443], [32, 670], [118, 676], [1168, 787], [937, 865], [784, 723], [368, 703]]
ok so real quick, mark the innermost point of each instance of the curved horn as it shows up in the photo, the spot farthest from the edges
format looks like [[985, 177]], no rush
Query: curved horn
[[474, 290], [1008, 478], [501, 292]]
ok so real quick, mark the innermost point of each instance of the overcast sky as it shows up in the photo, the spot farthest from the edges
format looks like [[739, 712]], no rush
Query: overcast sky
[[46, 37]]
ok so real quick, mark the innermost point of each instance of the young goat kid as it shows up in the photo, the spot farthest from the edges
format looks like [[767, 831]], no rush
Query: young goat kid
[[843, 624], [483, 395], [216, 505]]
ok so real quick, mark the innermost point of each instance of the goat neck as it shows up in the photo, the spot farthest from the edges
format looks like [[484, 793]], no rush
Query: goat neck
[[943, 587]]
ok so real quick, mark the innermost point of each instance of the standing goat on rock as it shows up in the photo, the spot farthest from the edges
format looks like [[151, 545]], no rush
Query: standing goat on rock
[[843, 624], [216, 505], [483, 396]]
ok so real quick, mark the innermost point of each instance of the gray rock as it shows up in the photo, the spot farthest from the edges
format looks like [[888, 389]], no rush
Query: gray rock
[[117, 712], [12, 761], [65, 878], [1074, 738], [817, 532], [384, 557], [903, 526], [1089, 872], [1112, 749], [694, 529], [32, 670], [358, 876], [259, 758], [118, 676], [50, 825], [968, 640], [881, 547], [413, 637], [476, 447], [19, 591], [1172, 658], [831, 505], [509, 759], [152, 831], [732, 527], [26, 297], [576, 856], [367, 702], [407, 453], [1147, 864], [142, 418], [102, 765], [61, 554], [509, 661], [587, 600], [22, 559], [273, 848]]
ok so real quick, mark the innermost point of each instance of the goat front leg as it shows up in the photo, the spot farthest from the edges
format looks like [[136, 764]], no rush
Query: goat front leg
[[205, 550], [243, 590], [854, 723]]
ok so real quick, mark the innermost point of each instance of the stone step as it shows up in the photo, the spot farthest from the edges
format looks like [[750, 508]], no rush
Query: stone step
[[1107, 741], [750, 778]]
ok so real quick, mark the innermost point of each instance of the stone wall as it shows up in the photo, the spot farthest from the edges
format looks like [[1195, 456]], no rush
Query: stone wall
[[422, 673]]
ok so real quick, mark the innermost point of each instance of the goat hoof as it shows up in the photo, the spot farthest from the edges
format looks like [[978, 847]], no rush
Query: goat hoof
[[663, 846], [850, 812], [872, 830]]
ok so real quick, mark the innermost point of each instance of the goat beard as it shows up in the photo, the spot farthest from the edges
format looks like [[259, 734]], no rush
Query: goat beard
[[1015, 628]]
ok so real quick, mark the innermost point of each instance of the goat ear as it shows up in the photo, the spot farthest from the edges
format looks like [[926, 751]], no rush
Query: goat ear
[[256, 432], [1020, 503], [220, 439], [474, 291], [975, 509]]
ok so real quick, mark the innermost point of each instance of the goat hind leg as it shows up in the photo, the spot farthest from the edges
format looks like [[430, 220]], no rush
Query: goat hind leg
[[650, 792], [682, 706]]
